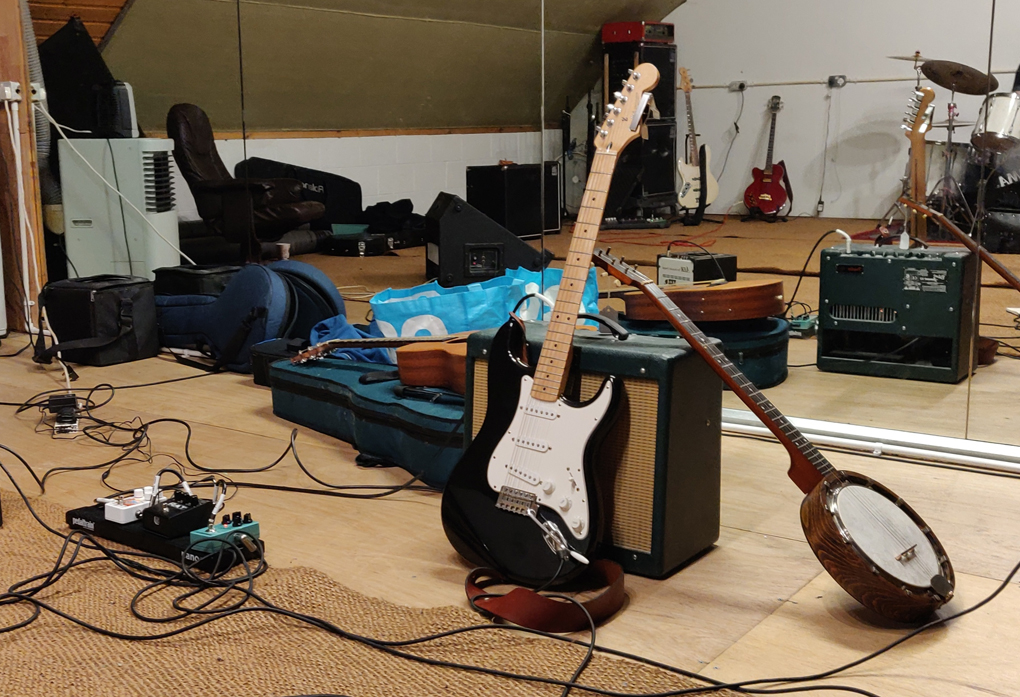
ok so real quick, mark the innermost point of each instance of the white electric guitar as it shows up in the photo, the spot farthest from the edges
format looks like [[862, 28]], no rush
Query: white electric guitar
[[689, 193]]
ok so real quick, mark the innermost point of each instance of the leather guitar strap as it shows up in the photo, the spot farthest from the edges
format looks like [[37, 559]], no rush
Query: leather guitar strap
[[527, 608]]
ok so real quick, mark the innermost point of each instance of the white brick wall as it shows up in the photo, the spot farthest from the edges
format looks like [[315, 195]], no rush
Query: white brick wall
[[389, 167]]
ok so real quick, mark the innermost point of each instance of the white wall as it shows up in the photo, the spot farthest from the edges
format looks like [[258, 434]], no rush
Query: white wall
[[388, 167], [793, 40]]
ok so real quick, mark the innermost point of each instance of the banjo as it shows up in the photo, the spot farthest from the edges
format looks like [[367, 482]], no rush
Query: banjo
[[867, 538]]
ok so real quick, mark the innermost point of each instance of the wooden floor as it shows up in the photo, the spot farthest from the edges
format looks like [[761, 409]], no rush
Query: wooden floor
[[757, 605]]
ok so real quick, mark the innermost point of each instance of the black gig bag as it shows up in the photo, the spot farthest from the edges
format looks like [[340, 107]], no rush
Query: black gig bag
[[99, 320]]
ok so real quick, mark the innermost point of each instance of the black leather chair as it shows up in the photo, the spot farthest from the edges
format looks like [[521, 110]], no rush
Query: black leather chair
[[242, 211]]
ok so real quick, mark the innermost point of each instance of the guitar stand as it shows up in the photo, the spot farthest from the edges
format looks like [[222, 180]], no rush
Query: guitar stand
[[756, 214], [694, 218]]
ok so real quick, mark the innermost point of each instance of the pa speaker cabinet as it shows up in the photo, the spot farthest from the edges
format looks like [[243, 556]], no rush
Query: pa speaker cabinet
[[621, 57], [511, 195], [645, 174], [463, 245], [897, 313], [661, 457]]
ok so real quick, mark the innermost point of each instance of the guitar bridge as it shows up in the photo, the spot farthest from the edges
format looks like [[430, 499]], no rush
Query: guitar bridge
[[516, 501]]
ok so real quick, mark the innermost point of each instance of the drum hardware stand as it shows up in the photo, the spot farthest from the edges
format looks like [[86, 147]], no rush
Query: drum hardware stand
[[949, 191]]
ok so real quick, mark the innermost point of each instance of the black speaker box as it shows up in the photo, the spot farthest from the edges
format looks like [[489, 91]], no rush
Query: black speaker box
[[510, 195], [464, 246], [645, 175], [624, 56]]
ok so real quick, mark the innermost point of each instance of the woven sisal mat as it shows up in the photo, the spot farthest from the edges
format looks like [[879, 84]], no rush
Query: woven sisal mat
[[255, 653]]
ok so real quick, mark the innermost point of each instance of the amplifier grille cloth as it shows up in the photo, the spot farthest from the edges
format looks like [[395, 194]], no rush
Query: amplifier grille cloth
[[863, 313], [629, 447]]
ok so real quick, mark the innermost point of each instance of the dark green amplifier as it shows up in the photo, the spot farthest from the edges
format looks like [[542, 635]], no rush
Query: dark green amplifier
[[661, 455], [898, 313]]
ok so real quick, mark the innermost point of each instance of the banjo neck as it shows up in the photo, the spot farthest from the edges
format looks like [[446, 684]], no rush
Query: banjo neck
[[807, 465]]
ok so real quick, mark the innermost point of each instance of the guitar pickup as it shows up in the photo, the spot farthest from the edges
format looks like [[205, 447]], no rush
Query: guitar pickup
[[516, 501], [536, 445]]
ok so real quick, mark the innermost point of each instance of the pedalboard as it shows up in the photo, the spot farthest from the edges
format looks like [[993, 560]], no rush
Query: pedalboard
[[92, 519]]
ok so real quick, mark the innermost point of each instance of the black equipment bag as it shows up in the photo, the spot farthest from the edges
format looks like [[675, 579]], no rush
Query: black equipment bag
[[99, 320], [203, 279]]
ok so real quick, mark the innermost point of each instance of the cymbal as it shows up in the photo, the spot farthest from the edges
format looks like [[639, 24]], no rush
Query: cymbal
[[956, 124], [959, 77], [915, 57]]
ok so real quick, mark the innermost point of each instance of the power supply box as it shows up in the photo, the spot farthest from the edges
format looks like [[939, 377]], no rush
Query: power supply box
[[900, 313], [690, 267]]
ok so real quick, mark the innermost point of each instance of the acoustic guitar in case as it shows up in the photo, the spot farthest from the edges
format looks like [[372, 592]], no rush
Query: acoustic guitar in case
[[767, 193], [867, 538]]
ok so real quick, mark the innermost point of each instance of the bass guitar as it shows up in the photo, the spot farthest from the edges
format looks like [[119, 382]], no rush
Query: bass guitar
[[525, 499], [689, 193], [868, 539], [767, 193]]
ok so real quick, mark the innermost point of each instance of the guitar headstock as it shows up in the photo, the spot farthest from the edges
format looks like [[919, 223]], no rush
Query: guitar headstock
[[623, 117], [918, 119], [685, 81], [313, 353], [775, 104], [626, 274]]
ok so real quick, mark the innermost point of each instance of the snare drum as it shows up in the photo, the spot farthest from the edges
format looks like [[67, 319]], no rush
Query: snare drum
[[1003, 131]]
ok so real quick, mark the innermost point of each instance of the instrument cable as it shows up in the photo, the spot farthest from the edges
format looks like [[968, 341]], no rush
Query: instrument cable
[[244, 584]]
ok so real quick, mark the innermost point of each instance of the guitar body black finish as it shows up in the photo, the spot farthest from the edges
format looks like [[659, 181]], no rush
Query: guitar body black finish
[[511, 542]]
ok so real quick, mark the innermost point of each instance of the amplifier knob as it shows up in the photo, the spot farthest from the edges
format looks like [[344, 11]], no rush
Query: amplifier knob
[[548, 487], [564, 504]]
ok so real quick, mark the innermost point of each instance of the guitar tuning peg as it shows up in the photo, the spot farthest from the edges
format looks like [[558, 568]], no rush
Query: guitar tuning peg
[[630, 71]]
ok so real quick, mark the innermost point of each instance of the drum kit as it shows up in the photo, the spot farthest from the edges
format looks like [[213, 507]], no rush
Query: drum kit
[[995, 133]]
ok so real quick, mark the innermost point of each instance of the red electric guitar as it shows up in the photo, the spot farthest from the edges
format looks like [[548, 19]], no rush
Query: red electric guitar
[[767, 192]]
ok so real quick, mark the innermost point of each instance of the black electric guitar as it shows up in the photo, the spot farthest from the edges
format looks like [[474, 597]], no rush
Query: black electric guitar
[[525, 498], [869, 540]]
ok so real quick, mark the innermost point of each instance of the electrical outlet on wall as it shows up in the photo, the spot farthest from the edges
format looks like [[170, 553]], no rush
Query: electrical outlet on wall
[[836, 81], [738, 86]]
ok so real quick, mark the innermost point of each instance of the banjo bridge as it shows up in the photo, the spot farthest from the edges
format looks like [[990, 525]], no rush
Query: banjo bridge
[[907, 554]]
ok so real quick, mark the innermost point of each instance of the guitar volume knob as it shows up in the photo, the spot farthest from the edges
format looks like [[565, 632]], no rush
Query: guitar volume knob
[[548, 487], [564, 504], [577, 524]]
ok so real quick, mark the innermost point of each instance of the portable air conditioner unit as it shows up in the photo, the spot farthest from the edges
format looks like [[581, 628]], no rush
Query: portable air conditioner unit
[[104, 234]]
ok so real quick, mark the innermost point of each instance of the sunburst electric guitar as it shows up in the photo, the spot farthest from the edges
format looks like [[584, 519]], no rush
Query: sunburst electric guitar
[[689, 192], [525, 499], [869, 540]]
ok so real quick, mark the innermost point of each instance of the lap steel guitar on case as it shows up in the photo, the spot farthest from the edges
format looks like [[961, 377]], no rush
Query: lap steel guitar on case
[[526, 499], [767, 193], [868, 539]]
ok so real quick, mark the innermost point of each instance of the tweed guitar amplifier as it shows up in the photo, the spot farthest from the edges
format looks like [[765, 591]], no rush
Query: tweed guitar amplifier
[[662, 453]]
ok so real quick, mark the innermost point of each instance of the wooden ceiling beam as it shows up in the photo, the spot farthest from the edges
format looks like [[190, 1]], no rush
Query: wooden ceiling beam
[[61, 13], [45, 28]]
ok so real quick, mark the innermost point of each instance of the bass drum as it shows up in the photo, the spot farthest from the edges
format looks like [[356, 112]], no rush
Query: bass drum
[[1003, 129]]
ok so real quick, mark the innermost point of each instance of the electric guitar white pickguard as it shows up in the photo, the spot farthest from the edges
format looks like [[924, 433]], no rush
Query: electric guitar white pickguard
[[542, 454], [689, 184]]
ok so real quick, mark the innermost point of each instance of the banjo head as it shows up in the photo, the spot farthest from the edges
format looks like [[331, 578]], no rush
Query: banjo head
[[876, 547]]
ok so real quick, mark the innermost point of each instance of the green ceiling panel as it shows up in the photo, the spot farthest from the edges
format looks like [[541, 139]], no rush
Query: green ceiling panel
[[346, 64]]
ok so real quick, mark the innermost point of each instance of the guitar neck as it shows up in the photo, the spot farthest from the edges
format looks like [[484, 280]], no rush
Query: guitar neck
[[772, 142], [693, 142], [551, 371], [918, 184], [807, 465]]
